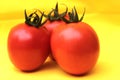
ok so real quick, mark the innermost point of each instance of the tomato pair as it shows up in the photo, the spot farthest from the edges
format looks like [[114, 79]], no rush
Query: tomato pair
[[73, 44]]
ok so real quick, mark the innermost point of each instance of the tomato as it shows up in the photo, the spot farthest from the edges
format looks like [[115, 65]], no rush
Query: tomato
[[75, 47], [50, 26], [54, 20], [28, 46]]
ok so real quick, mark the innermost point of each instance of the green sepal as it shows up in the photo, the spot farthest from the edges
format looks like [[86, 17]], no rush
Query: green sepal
[[56, 15], [73, 16], [34, 19]]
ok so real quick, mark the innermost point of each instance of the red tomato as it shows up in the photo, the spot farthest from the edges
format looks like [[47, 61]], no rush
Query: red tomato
[[51, 25], [75, 47], [28, 46], [54, 20]]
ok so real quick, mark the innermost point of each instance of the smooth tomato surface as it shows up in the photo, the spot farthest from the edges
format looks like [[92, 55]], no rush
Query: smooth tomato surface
[[28, 46], [50, 25], [75, 47]]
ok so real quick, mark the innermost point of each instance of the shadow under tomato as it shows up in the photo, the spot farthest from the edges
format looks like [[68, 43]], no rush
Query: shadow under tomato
[[99, 69], [49, 64]]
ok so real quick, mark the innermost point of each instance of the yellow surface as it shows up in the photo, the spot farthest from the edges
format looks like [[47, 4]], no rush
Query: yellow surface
[[103, 16]]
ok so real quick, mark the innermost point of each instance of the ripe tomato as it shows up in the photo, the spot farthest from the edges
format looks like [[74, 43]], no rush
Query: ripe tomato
[[54, 20], [28, 46], [75, 47], [50, 26]]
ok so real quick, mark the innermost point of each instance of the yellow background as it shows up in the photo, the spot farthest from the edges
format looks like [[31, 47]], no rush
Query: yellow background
[[102, 15]]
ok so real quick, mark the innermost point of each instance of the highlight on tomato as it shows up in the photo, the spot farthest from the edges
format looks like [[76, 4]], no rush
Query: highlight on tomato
[[29, 43], [75, 45]]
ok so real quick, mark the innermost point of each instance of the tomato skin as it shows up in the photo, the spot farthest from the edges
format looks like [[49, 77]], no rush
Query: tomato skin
[[75, 47], [50, 25], [28, 46]]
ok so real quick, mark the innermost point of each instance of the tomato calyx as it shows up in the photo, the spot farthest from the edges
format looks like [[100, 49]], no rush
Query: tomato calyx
[[73, 16], [34, 19], [56, 15]]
